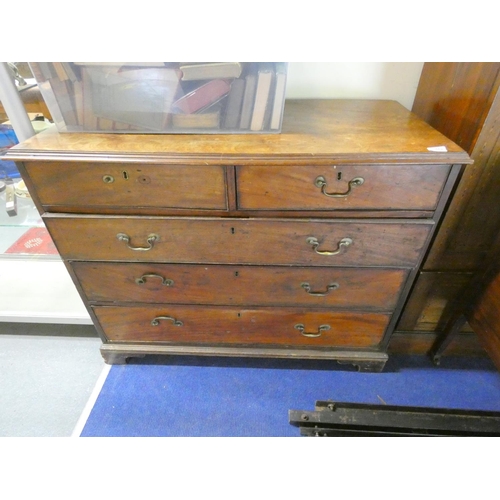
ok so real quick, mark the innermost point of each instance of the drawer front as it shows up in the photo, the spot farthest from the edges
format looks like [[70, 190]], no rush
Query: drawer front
[[376, 187], [241, 241], [218, 325], [128, 185], [370, 289]]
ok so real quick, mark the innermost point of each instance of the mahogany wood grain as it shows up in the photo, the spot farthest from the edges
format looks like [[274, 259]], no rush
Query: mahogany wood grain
[[362, 288], [113, 185], [224, 325], [484, 318], [420, 343], [319, 129], [239, 241], [432, 301], [462, 101], [237, 224], [383, 187], [454, 97]]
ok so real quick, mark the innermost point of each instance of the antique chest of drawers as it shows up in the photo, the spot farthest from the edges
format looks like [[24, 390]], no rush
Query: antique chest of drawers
[[303, 244]]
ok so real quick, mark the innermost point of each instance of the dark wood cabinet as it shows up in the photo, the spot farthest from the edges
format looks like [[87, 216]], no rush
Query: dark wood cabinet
[[303, 244], [462, 101]]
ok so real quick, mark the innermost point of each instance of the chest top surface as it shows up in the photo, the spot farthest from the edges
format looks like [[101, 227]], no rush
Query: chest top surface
[[329, 129]]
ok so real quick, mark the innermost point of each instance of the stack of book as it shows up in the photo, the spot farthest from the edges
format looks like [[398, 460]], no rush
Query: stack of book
[[182, 97]]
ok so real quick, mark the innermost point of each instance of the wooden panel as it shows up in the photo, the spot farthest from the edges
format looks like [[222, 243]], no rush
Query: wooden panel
[[115, 185], [485, 318], [369, 289], [461, 100], [382, 187], [407, 343], [218, 325], [455, 98], [433, 300], [183, 240]]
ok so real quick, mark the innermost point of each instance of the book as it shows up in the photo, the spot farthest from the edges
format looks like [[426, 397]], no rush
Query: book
[[47, 71], [78, 98], [248, 97], [279, 97], [202, 97], [210, 70], [70, 71], [234, 103], [208, 119], [262, 95], [89, 119], [60, 71]]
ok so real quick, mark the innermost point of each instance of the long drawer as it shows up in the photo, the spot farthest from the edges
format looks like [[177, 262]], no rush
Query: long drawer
[[239, 241], [115, 185], [346, 187], [220, 325], [349, 288]]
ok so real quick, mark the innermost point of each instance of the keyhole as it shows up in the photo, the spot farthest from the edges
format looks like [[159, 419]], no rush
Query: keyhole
[[339, 176], [232, 230], [125, 175]]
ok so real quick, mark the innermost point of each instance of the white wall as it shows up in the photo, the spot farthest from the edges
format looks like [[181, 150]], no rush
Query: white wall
[[358, 80]]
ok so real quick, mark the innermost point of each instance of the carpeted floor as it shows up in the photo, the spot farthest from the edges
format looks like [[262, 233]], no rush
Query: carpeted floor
[[194, 397]]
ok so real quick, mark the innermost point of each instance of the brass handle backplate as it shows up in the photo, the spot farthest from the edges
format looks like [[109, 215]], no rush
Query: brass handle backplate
[[321, 329], [343, 243], [320, 182], [151, 239], [156, 321], [164, 281], [329, 288]]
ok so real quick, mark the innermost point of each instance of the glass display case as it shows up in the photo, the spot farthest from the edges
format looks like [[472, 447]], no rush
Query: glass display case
[[22, 232], [35, 285]]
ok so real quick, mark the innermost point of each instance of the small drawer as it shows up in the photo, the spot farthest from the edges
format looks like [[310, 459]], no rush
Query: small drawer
[[72, 185], [240, 241], [368, 289], [340, 187], [256, 326]]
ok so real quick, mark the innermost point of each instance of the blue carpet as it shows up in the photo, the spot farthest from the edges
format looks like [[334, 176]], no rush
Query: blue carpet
[[202, 397]]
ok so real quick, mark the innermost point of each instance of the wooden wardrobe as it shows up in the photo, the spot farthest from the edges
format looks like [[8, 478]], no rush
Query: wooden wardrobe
[[462, 101]]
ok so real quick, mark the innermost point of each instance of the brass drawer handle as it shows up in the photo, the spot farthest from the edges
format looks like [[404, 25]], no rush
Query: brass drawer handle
[[156, 321], [329, 288], [164, 281], [152, 238], [321, 329], [320, 182], [343, 243]]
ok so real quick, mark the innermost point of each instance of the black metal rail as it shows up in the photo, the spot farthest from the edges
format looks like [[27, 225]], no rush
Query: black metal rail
[[332, 418]]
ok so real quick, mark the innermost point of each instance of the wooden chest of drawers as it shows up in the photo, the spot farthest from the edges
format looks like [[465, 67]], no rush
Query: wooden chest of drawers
[[303, 244]]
